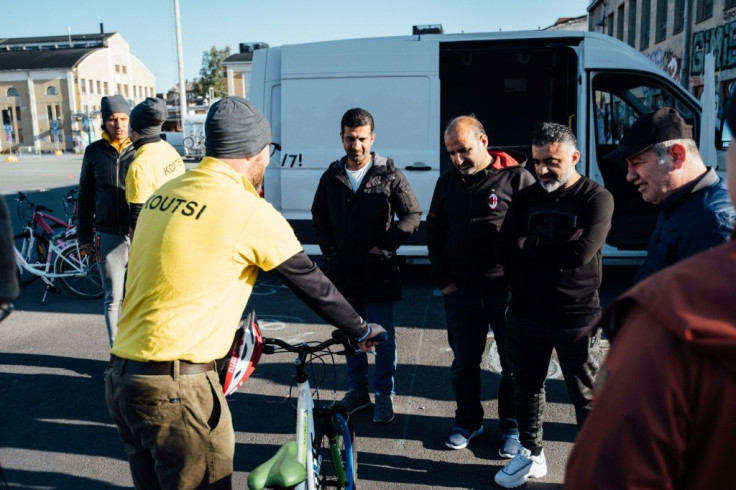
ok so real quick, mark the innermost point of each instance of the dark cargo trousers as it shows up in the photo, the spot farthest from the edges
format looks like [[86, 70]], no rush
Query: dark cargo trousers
[[177, 429]]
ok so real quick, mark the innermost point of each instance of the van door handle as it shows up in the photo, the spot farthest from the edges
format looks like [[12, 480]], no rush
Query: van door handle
[[418, 167]]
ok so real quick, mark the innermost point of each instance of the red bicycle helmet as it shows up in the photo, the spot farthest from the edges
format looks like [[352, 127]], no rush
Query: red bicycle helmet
[[244, 355]]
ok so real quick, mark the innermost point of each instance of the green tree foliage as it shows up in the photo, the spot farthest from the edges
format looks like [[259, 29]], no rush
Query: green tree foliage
[[212, 73]]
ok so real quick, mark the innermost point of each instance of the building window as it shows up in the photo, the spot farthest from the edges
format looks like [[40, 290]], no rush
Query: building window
[[107, 89], [120, 89], [99, 87], [125, 89], [51, 90], [125, 69], [83, 85], [679, 14], [632, 24], [620, 23], [117, 68], [646, 19], [12, 92], [609, 23], [703, 10], [660, 32], [18, 125]]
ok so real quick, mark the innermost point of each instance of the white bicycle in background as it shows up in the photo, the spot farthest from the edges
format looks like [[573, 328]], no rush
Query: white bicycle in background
[[47, 248]]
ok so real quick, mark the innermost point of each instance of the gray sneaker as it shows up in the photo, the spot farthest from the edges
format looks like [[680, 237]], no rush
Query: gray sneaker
[[383, 412], [355, 400]]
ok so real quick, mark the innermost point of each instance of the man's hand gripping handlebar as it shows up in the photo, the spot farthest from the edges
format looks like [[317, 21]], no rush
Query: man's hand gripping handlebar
[[378, 334]]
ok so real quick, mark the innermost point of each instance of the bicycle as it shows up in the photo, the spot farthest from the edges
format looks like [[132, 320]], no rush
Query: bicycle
[[48, 249], [194, 145], [71, 205], [44, 227], [324, 453]]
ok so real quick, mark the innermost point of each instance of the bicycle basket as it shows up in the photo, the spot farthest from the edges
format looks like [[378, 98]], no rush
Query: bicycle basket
[[244, 355]]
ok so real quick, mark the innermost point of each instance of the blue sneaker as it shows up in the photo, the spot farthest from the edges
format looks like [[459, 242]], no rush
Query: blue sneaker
[[510, 445], [459, 438]]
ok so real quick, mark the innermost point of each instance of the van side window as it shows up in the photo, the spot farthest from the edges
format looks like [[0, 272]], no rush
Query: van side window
[[618, 100]]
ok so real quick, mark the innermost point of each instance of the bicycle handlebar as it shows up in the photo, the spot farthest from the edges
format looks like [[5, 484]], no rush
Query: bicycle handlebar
[[36, 207], [338, 338]]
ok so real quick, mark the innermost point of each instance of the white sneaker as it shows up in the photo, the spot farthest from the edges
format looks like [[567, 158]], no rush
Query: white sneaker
[[522, 467]]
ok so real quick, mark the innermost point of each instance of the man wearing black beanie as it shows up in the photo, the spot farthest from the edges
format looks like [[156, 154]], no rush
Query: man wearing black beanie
[[155, 162], [200, 241], [103, 211]]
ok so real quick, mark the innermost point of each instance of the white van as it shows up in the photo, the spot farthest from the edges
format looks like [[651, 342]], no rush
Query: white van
[[413, 85]]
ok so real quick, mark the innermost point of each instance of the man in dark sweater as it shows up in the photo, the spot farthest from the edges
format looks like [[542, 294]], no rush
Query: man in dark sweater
[[552, 239], [468, 207]]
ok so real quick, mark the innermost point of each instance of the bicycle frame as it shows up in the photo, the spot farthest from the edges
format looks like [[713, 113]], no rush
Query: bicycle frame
[[314, 425], [56, 253], [305, 436], [40, 219], [44, 270]]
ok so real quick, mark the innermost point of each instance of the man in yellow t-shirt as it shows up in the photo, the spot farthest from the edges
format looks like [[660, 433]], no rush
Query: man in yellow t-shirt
[[200, 240], [155, 163]]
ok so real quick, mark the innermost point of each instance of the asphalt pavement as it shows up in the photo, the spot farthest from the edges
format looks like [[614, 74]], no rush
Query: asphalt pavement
[[56, 433]]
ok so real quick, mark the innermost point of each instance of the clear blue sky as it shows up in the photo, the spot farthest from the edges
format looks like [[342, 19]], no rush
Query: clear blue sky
[[148, 25]]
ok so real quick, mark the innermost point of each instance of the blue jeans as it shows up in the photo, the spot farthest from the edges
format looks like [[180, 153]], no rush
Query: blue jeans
[[470, 312], [113, 251], [386, 352], [531, 345]]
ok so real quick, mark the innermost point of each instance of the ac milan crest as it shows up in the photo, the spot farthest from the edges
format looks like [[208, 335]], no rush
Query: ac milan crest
[[493, 200]]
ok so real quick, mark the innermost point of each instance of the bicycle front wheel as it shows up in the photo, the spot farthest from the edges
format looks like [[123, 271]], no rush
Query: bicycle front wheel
[[33, 254], [335, 447], [84, 280]]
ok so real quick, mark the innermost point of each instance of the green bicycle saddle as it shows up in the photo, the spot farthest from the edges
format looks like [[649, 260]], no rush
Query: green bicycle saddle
[[282, 470]]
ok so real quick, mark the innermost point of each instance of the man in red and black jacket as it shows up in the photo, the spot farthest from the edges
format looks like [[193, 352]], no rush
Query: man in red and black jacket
[[468, 207]]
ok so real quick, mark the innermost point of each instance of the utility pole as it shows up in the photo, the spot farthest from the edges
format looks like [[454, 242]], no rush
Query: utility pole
[[179, 52], [686, 35]]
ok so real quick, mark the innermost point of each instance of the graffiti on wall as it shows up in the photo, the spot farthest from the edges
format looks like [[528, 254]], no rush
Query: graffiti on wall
[[720, 40], [668, 61]]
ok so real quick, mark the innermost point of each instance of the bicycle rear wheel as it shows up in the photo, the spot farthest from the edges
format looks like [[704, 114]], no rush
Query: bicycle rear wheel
[[35, 254], [334, 443], [86, 282]]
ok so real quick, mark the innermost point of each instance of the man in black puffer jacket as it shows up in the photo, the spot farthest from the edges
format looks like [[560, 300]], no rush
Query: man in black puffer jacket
[[353, 217], [102, 206]]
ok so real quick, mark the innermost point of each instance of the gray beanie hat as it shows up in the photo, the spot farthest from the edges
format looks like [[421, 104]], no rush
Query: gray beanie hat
[[147, 117], [235, 128], [113, 105]]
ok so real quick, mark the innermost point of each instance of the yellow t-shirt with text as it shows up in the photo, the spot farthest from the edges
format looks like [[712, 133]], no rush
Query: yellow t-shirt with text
[[153, 165], [199, 243]]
